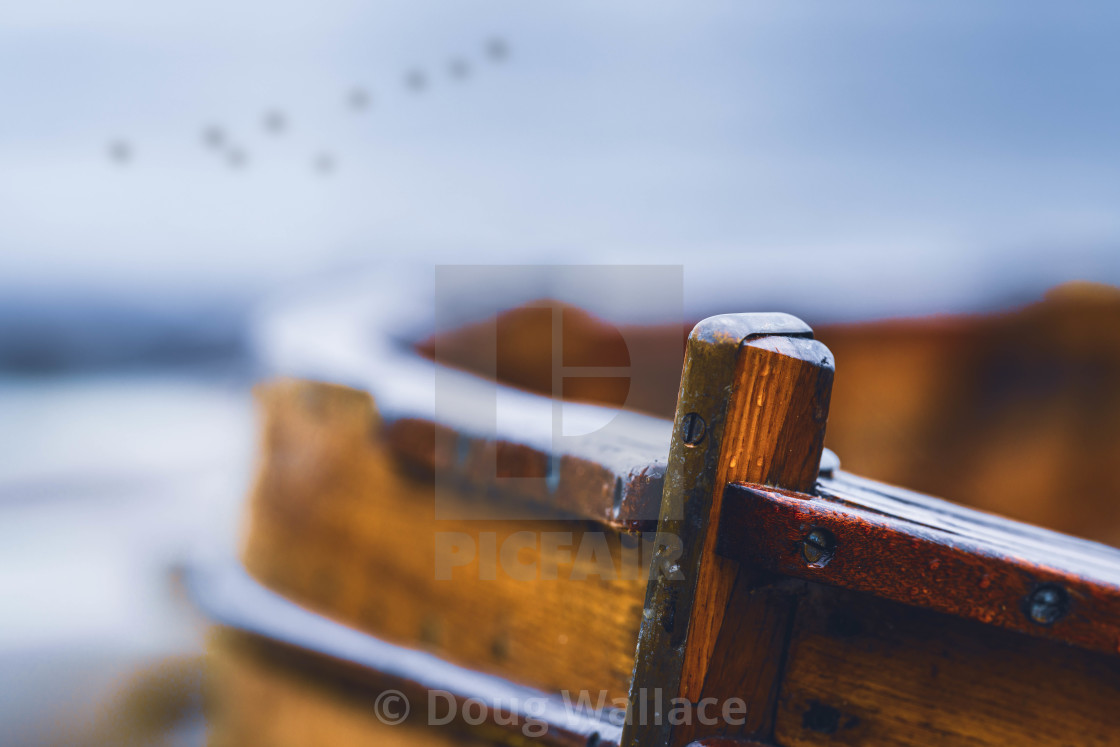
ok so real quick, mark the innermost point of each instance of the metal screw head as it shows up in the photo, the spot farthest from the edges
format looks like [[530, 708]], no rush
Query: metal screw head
[[693, 429], [1047, 604], [818, 546]]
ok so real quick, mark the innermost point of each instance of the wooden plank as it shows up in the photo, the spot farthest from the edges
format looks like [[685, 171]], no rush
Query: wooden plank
[[863, 670], [336, 526], [616, 481], [775, 434], [1073, 553], [748, 657], [753, 401], [996, 572]]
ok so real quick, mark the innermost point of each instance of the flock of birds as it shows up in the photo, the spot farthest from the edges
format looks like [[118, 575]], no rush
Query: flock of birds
[[217, 140]]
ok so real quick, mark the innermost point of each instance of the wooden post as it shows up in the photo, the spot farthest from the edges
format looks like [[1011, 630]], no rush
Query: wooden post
[[752, 408]]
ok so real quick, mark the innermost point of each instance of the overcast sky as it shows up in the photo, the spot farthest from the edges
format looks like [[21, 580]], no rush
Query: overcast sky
[[886, 157]]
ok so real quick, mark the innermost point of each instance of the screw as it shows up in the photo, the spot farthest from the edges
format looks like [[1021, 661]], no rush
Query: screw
[[693, 429], [818, 546], [1047, 604]]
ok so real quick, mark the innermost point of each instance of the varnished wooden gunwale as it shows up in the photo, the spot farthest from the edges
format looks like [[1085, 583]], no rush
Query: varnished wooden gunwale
[[337, 524], [936, 556]]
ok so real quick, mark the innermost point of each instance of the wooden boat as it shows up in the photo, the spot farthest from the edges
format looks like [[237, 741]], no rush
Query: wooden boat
[[715, 577]]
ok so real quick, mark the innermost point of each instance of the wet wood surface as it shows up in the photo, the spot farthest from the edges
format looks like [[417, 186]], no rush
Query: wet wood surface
[[862, 670], [953, 560], [753, 400], [335, 525], [1022, 402], [904, 619], [775, 434]]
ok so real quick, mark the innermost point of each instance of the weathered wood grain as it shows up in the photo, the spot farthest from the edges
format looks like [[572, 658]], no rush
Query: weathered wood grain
[[775, 434], [341, 494], [614, 480], [337, 527], [863, 670], [753, 400], [748, 656], [993, 570]]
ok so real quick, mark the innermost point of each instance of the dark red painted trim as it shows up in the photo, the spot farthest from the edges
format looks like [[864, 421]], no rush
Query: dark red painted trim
[[982, 577]]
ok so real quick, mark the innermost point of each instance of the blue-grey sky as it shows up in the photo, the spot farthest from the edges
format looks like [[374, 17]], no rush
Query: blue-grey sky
[[880, 157]]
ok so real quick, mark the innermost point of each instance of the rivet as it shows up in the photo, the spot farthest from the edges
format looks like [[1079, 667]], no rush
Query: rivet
[[693, 429], [818, 546], [1047, 604]]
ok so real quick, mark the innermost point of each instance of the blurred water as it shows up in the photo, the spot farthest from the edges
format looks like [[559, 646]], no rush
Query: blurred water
[[106, 483]]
